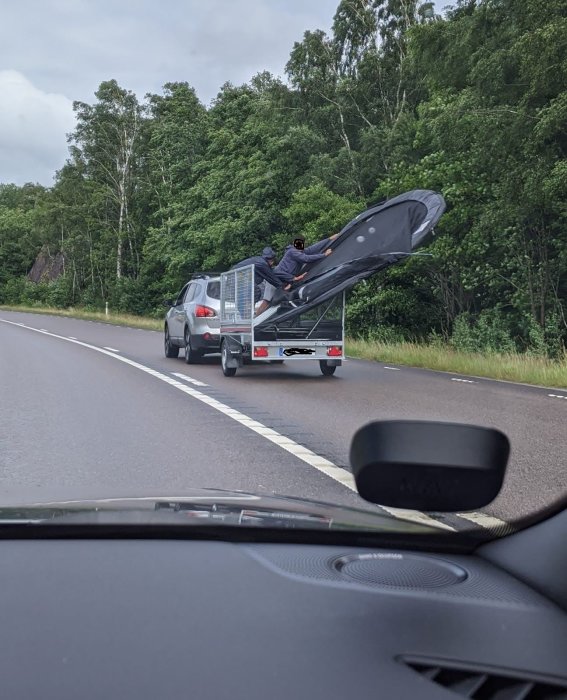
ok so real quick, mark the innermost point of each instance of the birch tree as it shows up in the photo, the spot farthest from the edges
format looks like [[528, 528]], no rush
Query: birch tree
[[106, 139]]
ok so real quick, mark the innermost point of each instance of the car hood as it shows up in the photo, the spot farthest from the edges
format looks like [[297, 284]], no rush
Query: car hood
[[207, 507]]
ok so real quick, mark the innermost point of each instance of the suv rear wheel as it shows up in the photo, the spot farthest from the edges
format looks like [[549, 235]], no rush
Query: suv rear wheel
[[170, 349], [191, 356]]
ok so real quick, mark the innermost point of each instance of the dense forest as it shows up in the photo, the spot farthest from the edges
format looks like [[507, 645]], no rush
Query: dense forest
[[472, 104]]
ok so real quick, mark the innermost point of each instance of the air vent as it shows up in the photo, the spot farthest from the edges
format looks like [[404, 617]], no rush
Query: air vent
[[482, 684]]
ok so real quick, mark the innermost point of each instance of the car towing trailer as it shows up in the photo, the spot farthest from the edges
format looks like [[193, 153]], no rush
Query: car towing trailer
[[315, 335]]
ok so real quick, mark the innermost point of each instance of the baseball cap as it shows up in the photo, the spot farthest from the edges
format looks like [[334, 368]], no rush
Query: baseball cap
[[268, 253]]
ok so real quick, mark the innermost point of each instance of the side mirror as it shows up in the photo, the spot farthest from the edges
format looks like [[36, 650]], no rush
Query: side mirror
[[431, 466], [168, 302]]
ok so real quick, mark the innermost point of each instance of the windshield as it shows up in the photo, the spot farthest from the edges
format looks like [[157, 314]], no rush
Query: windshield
[[379, 188]]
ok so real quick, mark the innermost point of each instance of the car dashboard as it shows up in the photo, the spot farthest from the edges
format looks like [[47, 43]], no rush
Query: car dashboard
[[139, 618]]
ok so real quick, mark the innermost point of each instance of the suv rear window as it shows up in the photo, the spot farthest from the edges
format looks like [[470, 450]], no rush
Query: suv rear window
[[213, 290]]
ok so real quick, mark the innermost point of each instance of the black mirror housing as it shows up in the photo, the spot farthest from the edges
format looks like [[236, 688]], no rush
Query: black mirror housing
[[431, 466], [167, 302]]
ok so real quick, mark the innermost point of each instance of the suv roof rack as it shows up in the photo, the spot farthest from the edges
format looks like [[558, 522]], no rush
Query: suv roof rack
[[204, 275]]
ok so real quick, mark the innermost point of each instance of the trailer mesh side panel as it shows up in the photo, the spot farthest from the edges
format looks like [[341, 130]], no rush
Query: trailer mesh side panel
[[237, 298]]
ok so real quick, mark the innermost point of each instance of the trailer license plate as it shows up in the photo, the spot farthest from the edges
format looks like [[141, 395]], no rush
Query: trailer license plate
[[290, 352]]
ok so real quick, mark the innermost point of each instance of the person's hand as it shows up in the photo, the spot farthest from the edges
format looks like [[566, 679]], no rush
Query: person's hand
[[287, 287], [299, 277], [328, 251], [333, 237]]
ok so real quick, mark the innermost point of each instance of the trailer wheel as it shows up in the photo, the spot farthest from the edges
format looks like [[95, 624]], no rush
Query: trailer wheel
[[326, 369], [226, 370]]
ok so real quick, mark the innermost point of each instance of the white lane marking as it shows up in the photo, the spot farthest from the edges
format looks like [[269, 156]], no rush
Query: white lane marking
[[557, 396], [396, 369], [44, 330], [317, 461], [487, 521], [482, 379], [71, 337], [466, 381], [417, 517], [196, 382], [111, 349], [341, 475]]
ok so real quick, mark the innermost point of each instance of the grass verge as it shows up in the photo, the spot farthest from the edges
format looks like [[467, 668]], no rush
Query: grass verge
[[145, 322], [525, 369]]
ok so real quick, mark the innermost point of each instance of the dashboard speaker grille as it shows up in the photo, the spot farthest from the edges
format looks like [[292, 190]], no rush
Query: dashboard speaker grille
[[399, 570], [481, 684]]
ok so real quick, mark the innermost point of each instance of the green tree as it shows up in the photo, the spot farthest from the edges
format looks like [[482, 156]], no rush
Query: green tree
[[20, 239], [106, 140], [174, 140]]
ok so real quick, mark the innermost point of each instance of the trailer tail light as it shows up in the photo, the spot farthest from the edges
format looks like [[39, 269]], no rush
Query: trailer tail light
[[204, 312], [260, 352], [206, 336], [334, 351]]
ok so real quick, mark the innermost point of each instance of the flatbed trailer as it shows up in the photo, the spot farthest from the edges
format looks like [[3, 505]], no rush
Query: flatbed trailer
[[317, 334]]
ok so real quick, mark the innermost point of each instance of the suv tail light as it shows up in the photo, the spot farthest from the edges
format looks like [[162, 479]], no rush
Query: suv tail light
[[204, 311], [334, 351], [260, 352]]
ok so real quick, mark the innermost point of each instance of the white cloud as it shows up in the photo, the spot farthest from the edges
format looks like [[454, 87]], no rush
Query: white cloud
[[33, 128], [71, 46], [55, 51]]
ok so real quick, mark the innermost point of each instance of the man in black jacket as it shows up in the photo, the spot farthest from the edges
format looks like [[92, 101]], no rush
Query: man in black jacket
[[263, 265]]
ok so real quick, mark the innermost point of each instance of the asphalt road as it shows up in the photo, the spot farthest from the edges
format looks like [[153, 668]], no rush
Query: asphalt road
[[76, 418]]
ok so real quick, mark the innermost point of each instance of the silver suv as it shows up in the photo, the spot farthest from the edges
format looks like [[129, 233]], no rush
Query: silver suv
[[193, 320]]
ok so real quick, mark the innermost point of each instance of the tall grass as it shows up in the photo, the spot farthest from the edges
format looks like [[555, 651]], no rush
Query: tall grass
[[130, 320], [512, 367]]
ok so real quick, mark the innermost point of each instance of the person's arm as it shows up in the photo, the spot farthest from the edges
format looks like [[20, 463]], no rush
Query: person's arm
[[309, 257], [265, 272], [320, 246], [285, 276]]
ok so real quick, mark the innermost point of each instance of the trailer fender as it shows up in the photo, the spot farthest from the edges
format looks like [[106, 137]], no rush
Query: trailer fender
[[234, 358]]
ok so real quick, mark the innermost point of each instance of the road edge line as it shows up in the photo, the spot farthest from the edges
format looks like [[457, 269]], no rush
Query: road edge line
[[323, 465]]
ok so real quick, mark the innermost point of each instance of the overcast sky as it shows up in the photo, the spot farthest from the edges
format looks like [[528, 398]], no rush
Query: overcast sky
[[55, 51]]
